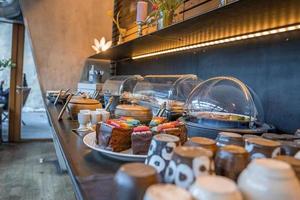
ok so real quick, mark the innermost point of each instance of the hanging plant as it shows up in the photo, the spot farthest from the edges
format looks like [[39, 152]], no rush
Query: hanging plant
[[6, 63]]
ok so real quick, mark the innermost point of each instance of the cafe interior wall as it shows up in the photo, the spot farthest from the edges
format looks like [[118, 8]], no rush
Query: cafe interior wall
[[269, 65], [61, 34]]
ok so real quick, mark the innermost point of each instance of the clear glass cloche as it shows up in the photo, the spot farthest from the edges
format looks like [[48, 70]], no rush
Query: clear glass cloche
[[170, 89], [117, 85], [224, 99]]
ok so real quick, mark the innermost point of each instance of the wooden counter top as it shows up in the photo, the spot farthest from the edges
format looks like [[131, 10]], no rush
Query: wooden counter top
[[90, 172]]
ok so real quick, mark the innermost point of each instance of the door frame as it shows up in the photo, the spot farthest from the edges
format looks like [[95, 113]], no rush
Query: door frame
[[16, 80]]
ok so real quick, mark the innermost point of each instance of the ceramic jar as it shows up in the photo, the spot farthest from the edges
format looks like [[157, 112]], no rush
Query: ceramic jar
[[295, 163], [132, 180], [269, 179], [262, 148], [203, 142], [230, 161], [186, 164], [78, 103], [166, 192], [290, 148], [160, 152], [215, 188], [228, 138]]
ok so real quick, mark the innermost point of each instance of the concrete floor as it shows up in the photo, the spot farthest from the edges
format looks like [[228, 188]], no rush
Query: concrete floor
[[37, 126], [23, 176]]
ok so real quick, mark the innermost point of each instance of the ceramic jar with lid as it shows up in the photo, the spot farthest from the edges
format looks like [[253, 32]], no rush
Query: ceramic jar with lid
[[228, 138], [132, 180], [230, 161], [166, 192], [138, 112], [262, 148], [215, 188], [187, 163], [269, 179], [290, 148], [203, 142], [78, 103], [295, 163]]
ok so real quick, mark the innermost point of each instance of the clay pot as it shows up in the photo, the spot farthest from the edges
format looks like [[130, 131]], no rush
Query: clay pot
[[262, 148], [246, 136], [269, 179], [166, 192], [215, 188], [203, 142], [228, 138], [187, 163], [290, 148], [160, 152], [141, 113], [295, 163], [230, 161], [79, 103], [133, 179]]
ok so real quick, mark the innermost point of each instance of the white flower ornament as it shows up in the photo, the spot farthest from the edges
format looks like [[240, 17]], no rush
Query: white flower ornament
[[101, 45]]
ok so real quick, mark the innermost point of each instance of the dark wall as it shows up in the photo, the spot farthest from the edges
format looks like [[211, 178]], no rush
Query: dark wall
[[269, 65]]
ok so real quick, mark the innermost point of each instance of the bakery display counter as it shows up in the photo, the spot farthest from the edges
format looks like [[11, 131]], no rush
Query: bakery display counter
[[91, 173]]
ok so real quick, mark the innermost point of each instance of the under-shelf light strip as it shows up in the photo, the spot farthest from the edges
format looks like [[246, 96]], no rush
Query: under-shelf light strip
[[221, 41]]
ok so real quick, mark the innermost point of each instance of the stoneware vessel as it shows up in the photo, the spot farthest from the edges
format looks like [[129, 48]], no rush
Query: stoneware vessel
[[95, 117], [166, 192], [230, 161], [160, 152], [269, 179], [295, 163], [203, 142], [215, 188], [262, 148], [228, 138], [187, 164], [290, 148], [132, 180]]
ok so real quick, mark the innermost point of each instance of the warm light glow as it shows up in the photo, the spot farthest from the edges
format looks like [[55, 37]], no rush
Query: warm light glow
[[221, 41]]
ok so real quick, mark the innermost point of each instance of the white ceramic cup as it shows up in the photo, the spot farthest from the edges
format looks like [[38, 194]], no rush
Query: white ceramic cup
[[95, 117], [215, 188], [85, 111], [105, 115], [269, 179], [83, 120]]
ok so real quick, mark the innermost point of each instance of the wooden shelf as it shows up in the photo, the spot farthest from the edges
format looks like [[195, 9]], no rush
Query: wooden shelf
[[241, 17], [174, 32]]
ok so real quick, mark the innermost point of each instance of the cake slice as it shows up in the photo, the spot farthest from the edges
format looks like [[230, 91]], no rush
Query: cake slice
[[140, 140], [113, 138]]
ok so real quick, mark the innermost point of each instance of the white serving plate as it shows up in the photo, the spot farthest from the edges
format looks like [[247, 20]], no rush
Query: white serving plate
[[90, 141]]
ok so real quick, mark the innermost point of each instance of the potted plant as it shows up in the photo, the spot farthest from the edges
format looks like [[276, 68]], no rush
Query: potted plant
[[6, 63], [163, 12]]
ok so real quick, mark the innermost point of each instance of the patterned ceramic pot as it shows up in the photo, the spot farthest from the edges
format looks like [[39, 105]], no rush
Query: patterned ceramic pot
[[215, 188], [228, 138], [230, 161], [203, 142], [262, 148], [166, 192], [269, 179], [160, 152], [132, 180], [188, 163]]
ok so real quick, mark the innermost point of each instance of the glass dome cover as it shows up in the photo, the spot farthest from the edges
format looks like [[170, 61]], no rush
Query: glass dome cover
[[117, 85], [224, 99], [170, 89]]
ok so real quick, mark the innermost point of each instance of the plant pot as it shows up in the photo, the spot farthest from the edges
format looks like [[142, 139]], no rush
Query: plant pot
[[166, 19]]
